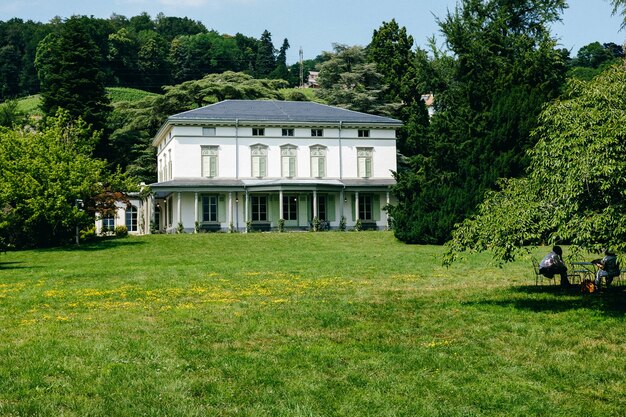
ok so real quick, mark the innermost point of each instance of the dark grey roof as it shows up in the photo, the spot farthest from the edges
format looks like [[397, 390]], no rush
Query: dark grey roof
[[279, 111]]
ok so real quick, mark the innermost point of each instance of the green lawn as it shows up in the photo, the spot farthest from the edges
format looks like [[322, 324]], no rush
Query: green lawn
[[298, 324]]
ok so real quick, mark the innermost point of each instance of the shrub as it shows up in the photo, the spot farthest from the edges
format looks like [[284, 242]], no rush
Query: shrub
[[342, 224], [88, 234], [281, 225], [315, 223], [121, 231], [358, 226]]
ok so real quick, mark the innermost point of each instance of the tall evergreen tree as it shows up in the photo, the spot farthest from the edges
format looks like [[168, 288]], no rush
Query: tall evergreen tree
[[69, 72], [505, 67], [266, 56]]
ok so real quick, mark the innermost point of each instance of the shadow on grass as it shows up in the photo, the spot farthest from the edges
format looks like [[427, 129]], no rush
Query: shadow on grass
[[99, 245], [12, 265], [611, 301]]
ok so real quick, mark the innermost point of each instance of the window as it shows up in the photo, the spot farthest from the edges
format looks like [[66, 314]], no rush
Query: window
[[258, 131], [364, 133], [317, 132], [209, 161], [169, 166], [108, 223], [318, 161], [288, 159], [208, 131], [290, 207], [259, 208], [165, 167], [209, 208], [364, 159], [365, 207], [160, 169], [259, 160], [287, 132], [131, 219]]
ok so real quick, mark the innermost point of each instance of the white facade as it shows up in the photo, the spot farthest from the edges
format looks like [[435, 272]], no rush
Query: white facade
[[218, 172]]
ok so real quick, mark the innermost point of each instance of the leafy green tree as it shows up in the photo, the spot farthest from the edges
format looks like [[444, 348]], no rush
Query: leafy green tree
[[10, 114], [574, 191], [170, 27], [348, 80], [122, 57], [42, 174], [69, 71]]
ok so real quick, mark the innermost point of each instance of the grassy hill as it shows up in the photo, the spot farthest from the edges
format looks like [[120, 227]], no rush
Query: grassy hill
[[299, 324], [30, 105]]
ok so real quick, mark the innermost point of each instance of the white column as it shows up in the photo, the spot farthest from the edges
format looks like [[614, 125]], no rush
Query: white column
[[245, 215], [280, 204], [356, 206], [386, 212], [314, 203], [195, 212], [180, 214], [230, 209]]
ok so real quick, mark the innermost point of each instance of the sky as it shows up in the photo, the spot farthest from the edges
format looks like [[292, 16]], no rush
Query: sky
[[315, 25]]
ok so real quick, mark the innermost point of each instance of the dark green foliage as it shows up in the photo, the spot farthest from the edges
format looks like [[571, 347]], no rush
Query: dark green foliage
[[70, 75], [574, 189], [41, 176], [265, 56], [594, 58], [348, 80], [487, 97]]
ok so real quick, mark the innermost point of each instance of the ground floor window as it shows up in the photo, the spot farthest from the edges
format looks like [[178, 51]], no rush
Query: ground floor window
[[108, 223], [290, 207], [131, 219], [209, 208], [259, 208], [365, 207], [321, 207]]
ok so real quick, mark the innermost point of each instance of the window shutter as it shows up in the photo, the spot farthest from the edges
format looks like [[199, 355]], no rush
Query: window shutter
[[376, 207], [362, 167], [330, 208], [213, 166], [255, 167], [286, 167], [262, 167], [315, 169], [292, 167], [321, 167], [368, 167]]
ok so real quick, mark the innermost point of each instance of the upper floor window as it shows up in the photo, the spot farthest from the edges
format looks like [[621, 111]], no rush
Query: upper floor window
[[364, 133], [288, 155], [317, 132], [208, 131], [258, 131], [318, 161], [169, 165], [259, 160], [287, 132], [364, 162], [209, 161]]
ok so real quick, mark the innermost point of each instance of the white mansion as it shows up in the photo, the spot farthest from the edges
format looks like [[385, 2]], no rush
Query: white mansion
[[242, 163]]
